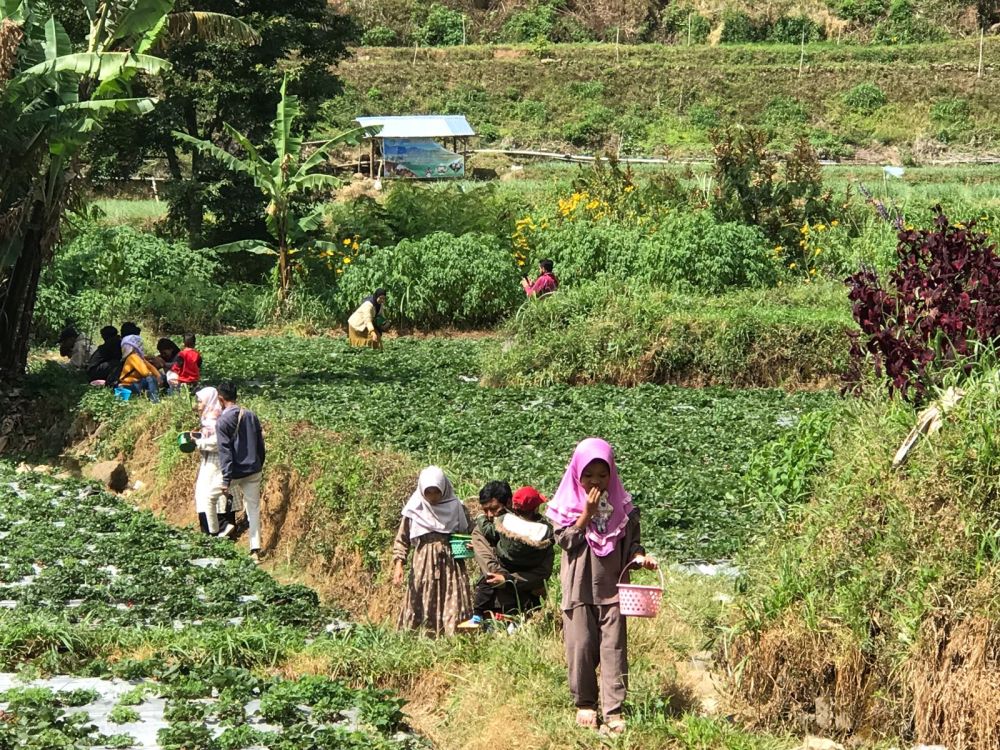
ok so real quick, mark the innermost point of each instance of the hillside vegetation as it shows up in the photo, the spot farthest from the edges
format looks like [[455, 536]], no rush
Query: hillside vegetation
[[450, 22], [629, 335], [873, 611], [907, 103]]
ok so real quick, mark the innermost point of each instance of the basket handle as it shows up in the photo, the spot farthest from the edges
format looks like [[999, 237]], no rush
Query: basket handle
[[632, 562]]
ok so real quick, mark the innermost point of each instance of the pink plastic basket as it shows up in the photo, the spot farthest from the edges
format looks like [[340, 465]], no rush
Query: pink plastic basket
[[639, 601]]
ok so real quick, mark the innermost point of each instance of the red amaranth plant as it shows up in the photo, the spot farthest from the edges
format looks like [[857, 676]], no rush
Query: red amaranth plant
[[942, 299]]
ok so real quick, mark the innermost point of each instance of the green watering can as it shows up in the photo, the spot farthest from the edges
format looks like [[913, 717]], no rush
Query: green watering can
[[187, 441]]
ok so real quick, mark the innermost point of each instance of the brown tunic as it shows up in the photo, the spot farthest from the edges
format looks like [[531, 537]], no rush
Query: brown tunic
[[438, 596], [594, 630], [587, 578]]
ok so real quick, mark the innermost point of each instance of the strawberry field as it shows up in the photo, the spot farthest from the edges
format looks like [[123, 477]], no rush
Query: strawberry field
[[682, 452], [158, 637]]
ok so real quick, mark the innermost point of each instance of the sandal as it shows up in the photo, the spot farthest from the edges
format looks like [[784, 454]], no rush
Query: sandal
[[587, 718], [614, 726]]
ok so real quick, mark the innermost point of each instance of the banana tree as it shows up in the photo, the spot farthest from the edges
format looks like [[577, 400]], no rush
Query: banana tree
[[53, 97], [281, 179]]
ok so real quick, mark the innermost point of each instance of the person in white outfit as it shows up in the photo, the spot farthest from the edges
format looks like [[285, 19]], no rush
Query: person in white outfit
[[208, 486]]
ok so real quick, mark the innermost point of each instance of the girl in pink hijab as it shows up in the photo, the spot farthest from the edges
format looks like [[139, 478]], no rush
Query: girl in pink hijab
[[597, 528]]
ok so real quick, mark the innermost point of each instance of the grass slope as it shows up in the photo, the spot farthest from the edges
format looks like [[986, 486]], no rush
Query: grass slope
[[662, 99], [786, 337], [872, 612]]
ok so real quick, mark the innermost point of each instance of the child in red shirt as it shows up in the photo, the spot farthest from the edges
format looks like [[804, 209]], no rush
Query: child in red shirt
[[188, 364]]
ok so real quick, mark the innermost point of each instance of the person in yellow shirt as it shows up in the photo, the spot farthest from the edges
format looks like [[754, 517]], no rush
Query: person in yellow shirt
[[364, 327], [137, 374]]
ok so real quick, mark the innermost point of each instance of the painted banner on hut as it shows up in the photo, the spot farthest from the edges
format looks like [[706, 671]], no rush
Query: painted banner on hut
[[421, 159]]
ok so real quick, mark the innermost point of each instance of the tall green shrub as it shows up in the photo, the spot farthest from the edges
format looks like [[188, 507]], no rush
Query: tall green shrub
[[687, 251], [583, 250], [795, 29], [865, 99], [740, 28], [682, 23], [693, 252], [776, 192], [106, 274], [439, 280], [440, 26], [530, 24]]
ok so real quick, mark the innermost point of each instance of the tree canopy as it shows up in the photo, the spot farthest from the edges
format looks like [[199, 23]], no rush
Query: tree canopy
[[212, 83]]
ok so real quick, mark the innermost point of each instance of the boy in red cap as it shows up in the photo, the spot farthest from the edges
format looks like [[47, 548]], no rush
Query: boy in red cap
[[515, 548]]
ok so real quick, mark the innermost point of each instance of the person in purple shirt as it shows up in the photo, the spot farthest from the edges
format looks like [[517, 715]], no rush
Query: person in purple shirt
[[546, 283], [241, 457]]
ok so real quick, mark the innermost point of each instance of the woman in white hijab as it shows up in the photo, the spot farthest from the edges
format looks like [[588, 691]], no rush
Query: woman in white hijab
[[208, 485], [438, 595]]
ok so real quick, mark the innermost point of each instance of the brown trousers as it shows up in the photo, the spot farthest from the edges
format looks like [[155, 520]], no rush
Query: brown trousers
[[595, 636]]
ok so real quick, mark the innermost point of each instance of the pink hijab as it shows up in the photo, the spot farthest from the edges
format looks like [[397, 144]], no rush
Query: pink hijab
[[570, 499], [208, 401]]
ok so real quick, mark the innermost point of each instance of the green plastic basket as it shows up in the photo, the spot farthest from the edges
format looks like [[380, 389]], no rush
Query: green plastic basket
[[461, 546]]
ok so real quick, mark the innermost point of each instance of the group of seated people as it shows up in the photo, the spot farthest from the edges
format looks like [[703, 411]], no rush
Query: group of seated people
[[120, 361]]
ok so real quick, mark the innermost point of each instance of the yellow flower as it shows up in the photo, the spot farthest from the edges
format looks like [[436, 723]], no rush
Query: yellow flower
[[346, 260], [818, 250], [347, 241], [834, 223], [821, 227], [791, 265], [340, 271], [629, 188], [355, 245], [812, 271], [520, 263]]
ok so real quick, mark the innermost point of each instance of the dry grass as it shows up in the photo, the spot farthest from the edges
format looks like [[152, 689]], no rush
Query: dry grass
[[793, 676], [955, 682]]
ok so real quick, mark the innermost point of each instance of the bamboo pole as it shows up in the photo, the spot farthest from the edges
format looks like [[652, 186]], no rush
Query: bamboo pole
[[802, 53], [982, 34]]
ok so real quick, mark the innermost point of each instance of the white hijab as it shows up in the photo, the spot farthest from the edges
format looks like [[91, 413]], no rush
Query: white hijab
[[208, 401], [446, 517]]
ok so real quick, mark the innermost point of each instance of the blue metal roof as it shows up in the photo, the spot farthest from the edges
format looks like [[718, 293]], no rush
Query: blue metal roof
[[419, 126]]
